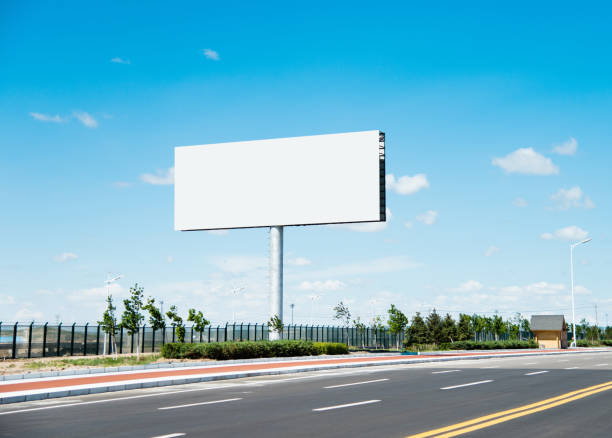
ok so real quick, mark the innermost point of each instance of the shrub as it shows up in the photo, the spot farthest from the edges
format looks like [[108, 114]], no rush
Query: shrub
[[489, 345], [250, 349]]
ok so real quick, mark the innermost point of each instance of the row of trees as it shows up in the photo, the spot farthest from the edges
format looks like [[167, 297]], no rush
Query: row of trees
[[133, 317], [434, 328]]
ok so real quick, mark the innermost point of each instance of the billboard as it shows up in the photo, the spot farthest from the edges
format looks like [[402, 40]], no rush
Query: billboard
[[319, 179]]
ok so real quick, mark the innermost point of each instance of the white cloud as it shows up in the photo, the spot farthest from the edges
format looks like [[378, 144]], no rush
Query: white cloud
[[520, 202], [95, 296], [368, 227], [428, 218], [160, 178], [568, 147], [491, 251], [406, 185], [210, 54], [47, 118], [64, 257], [170, 259], [86, 119], [322, 286], [408, 224], [118, 60], [27, 314], [299, 261], [526, 161], [573, 197], [572, 232], [468, 286], [380, 265], [6, 300], [121, 184], [581, 290], [218, 232]]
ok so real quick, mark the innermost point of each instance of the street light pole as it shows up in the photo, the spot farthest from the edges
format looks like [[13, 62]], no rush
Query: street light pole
[[572, 246], [292, 306]]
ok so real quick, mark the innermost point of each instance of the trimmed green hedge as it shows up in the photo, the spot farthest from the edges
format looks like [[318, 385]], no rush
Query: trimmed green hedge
[[587, 343], [489, 345], [250, 349]]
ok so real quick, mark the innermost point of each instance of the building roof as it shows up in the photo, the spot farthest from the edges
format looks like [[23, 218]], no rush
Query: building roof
[[547, 322]]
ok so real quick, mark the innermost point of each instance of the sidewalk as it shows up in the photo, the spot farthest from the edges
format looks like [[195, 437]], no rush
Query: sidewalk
[[27, 387]]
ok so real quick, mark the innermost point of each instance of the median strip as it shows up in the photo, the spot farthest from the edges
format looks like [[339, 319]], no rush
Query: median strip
[[467, 384], [348, 405], [200, 404], [510, 414]]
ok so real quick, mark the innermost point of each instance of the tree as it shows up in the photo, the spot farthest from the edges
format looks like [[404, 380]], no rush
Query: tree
[[276, 325], [449, 329], [488, 324], [498, 326], [132, 317], [199, 322], [417, 331], [525, 326], [608, 332], [478, 324], [177, 321], [434, 327], [376, 325], [361, 328], [397, 322], [156, 319], [344, 316], [464, 327], [109, 324]]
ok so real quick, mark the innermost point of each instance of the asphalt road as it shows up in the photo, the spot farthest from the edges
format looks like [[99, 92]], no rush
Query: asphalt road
[[389, 401]]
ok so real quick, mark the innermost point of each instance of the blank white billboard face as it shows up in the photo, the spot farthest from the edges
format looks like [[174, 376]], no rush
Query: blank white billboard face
[[321, 179]]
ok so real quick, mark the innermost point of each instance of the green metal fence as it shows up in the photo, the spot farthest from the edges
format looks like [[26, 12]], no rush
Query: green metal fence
[[44, 340]]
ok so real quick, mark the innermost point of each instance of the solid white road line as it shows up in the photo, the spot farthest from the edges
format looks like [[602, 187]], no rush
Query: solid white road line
[[67, 405], [356, 383], [172, 435], [531, 363], [563, 361], [536, 372], [348, 405], [601, 365], [200, 404], [443, 372], [571, 368], [488, 368], [468, 384]]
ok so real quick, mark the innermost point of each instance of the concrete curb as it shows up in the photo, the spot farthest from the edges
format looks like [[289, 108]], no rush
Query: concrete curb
[[157, 382]]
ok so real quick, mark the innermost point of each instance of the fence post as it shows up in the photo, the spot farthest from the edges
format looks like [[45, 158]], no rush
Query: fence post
[[98, 340], [241, 324], [201, 332], [143, 338], [30, 340], [85, 341], [225, 333], [262, 332], [59, 339], [249, 331], [121, 340], [153, 341], [164, 334], [209, 329], [191, 335], [44, 352], [14, 352], [72, 339], [173, 332]]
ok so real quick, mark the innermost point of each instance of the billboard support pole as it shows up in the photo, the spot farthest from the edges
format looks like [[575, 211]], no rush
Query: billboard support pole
[[276, 276]]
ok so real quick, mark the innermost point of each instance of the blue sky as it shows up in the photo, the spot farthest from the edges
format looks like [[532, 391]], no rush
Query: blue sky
[[497, 117]]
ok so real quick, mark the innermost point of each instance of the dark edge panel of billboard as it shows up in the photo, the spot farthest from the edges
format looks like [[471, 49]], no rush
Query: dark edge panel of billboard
[[381, 166]]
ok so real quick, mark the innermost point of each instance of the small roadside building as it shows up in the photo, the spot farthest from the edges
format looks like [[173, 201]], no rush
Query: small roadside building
[[550, 331]]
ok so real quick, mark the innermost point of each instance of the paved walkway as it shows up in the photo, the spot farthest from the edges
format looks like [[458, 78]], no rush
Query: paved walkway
[[61, 386]]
